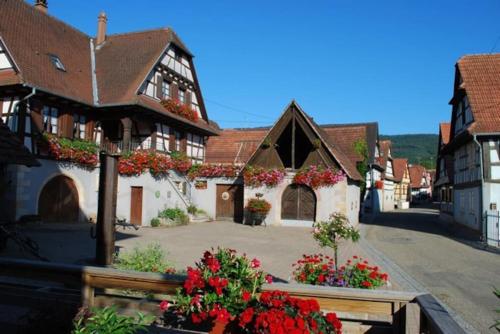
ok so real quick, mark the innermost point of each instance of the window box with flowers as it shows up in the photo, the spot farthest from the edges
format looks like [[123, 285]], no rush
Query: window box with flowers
[[255, 177], [178, 108], [79, 151], [318, 176], [158, 164], [213, 170], [257, 208]]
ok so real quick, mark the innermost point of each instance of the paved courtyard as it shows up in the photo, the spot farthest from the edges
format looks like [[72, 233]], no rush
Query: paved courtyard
[[458, 272], [276, 247]]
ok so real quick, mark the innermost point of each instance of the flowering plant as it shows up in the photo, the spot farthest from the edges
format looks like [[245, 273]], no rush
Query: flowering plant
[[209, 170], [278, 312], [79, 151], [220, 287], [319, 269], [258, 176], [258, 205], [329, 233], [181, 161], [136, 162], [317, 177], [177, 107], [379, 184]]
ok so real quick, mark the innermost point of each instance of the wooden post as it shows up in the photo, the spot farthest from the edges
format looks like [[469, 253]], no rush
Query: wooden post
[[106, 211], [127, 134]]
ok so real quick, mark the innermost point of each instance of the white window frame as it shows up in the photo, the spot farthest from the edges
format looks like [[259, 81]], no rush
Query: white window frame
[[79, 124], [162, 137], [50, 119], [195, 143]]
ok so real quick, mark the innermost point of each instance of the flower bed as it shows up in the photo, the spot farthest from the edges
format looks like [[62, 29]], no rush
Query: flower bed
[[319, 269], [82, 152], [181, 109], [209, 170], [257, 176], [277, 312], [317, 177], [137, 162]]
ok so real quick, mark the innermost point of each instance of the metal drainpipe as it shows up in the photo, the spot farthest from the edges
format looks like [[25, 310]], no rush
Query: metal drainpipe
[[483, 223], [16, 105]]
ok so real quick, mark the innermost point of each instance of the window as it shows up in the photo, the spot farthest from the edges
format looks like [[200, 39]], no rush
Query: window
[[50, 119], [195, 148], [79, 126], [162, 137], [178, 136], [182, 96], [57, 63], [165, 88], [97, 133]]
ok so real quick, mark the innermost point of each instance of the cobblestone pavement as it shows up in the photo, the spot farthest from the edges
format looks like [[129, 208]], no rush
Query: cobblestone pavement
[[459, 272]]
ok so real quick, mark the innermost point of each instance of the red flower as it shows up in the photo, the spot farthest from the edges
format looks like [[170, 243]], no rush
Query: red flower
[[164, 305], [269, 279], [255, 263], [366, 284], [246, 296]]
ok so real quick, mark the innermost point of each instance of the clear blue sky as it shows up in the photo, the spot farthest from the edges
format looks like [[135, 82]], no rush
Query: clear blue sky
[[343, 61]]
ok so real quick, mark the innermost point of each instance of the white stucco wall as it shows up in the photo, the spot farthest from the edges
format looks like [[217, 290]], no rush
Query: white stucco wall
[[353, 205], [466, 208], [206, 199]]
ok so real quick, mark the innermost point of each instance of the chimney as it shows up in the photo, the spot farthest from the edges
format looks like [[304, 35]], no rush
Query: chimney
[[101, 28], [42, 5]]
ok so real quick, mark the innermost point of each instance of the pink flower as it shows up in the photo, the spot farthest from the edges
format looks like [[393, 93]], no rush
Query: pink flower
[[269, 279], [255, 263], [164, 305]]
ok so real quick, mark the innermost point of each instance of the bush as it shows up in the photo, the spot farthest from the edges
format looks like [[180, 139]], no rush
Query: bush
[[155, 222], [192, 209], [108, 321], [152, 258], [176, 215]]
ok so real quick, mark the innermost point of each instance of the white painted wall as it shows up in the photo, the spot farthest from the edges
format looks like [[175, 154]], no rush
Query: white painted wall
[[466, 208], [206, 199]]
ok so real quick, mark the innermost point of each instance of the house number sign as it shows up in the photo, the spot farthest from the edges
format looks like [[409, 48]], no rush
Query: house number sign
[[225, 195]]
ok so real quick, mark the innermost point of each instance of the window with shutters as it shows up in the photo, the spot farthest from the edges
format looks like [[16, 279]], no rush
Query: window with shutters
[[50, 119], [162, 137], [177, 136], [182, 95], [165, 89], [79, 123], [195, 148]]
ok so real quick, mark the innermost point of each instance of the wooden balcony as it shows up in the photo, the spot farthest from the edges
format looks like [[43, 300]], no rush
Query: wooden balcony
[[361, 311]]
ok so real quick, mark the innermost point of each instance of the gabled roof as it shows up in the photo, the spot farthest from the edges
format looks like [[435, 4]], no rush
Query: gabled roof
[[12, 150], [481, 81], [346, 135], [31, 36], [416, 174], [445, 132], [399, 167], [385, 147]]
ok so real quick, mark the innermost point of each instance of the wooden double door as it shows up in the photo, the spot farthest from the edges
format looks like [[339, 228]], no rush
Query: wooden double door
[[229, 202], [298, 203], [58, 202]]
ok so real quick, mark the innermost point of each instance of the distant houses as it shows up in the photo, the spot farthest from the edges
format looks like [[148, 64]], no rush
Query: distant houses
[[402, 183], [468, 163]]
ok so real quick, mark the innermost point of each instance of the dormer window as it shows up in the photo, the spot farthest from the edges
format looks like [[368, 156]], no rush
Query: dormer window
[[57, 63]]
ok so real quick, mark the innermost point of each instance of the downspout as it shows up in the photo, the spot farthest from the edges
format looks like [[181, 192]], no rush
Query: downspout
[[16, 105], [483, 222]]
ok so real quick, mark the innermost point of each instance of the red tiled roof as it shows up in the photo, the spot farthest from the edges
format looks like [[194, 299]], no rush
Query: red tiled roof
[[234, 145], [399, 166], [345, 138], [445, 131], [9, 77], [31, 36], [481, 80], [416, 174], [384, 147]]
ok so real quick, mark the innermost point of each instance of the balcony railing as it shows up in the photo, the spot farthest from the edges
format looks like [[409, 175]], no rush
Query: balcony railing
[[361, 311]]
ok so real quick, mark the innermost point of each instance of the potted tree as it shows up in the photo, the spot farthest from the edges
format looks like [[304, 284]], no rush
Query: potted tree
[[258, 208]]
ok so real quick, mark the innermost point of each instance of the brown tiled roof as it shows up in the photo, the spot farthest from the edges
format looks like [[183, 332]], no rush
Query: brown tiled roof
[[31, 36], [416, 174], [444, 130], [481, 80], [399, 166], [124, 61], [384, 147], [234, 145], [346, 135], [9, 77], [12, 150]]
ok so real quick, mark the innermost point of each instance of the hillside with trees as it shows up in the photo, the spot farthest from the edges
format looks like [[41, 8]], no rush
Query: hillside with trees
[[418, 148]]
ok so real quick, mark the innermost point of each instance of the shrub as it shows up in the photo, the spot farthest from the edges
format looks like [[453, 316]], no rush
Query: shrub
[[278, 312], [152, 258], [192, 209], [319, 269], [155, 222], [176, 215], [108, 321]]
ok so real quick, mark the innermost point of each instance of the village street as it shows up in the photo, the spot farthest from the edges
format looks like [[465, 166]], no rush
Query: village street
[[457, 272]]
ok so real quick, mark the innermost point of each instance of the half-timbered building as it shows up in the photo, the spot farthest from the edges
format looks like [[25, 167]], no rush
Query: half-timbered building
[[443, 186], [402, 191], [474, 144], [111, 90]]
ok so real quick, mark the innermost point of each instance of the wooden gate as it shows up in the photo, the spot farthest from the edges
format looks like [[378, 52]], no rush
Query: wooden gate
[[136, 205], [298, 203], [229, 203], [58, 202]]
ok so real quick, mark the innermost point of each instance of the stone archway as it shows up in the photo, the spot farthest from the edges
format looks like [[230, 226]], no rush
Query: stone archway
[[59, 201], [298, 203]]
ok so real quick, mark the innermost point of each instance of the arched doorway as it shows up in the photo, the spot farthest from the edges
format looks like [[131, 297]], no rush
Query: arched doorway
[[298, 203], [58, 202]]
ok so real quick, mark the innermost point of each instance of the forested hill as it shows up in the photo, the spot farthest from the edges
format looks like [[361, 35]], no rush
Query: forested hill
[[419, 149]]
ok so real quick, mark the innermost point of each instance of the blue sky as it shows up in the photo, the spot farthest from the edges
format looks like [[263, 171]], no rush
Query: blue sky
[[343, 61]]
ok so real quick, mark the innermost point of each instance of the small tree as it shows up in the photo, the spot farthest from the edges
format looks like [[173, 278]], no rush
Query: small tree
[[329, 233]]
